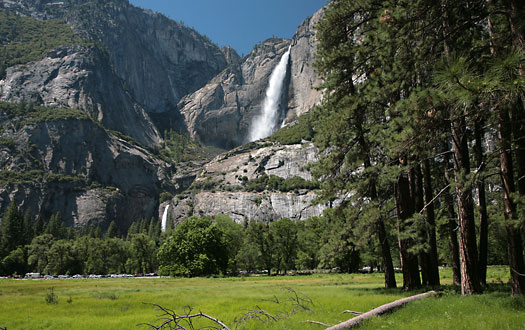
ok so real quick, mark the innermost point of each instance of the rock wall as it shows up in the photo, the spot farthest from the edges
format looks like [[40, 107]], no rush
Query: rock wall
[[220, 113], [141, 62], [91, 177], [80, 78], [225, 193], [302, 92]]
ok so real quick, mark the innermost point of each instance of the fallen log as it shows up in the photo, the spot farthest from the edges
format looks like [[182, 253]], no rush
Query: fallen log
[[380, 310]]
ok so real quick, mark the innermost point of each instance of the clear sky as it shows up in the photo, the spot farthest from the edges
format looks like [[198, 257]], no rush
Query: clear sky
[[237, 23]]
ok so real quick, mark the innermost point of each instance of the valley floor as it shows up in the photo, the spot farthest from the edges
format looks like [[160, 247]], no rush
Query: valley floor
[[118, 303]]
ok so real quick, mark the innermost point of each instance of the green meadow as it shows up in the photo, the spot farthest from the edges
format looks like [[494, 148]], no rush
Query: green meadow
[[119, 303]]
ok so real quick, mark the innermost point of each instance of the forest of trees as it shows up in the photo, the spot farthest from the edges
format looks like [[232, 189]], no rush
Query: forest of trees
[[422, 127], [195, 247]]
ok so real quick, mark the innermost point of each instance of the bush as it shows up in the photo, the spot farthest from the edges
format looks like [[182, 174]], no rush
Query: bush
[[51, 297]]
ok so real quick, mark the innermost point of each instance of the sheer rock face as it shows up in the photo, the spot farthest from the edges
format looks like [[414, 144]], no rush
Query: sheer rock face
[[221, 113], [224, 177], [302, 92], [80, 78], [81, 149], [147, 65]]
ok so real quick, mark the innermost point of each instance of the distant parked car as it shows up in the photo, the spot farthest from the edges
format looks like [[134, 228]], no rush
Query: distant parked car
[[32, 275]]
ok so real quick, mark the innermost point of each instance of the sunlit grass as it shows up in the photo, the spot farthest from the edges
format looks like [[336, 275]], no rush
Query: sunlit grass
[[118, 303]]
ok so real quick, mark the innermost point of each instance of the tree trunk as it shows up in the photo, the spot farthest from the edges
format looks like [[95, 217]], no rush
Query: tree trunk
[[483, 215], [518, 131], [452, 224], [386, 257], [356, 321], [467, 230], [416, 193], [431, 220], [405, 210], [514, 244], [388, 266]]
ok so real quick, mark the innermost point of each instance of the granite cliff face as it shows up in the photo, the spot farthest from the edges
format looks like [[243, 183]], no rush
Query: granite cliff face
[[141, 62], [222, 185], [83, 172], [302, 92], [221, 112], [80, 78]]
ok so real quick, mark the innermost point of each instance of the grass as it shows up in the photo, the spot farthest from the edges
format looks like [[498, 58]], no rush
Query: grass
[[118, 303]]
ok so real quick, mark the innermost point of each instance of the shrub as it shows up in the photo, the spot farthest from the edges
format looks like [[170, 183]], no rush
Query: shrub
[[51, 297]]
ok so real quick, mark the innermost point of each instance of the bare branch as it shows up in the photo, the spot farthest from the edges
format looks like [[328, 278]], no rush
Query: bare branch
[[351, 312], [170, 320], [433, 199], [317, 322]]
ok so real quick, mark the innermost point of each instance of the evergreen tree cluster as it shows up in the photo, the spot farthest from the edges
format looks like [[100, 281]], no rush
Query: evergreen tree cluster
[[50, 247], [195, 247], [422, 131]]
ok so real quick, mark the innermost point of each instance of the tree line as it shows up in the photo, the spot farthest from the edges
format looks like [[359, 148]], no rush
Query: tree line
[[197, 246], [422, 130]]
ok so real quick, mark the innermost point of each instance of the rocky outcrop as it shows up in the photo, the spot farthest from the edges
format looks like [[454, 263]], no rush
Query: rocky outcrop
[[302, 92], [221, 186], [245, 206], [80, 78], [142, 62], [159, 60], [221, 113], [76, 168]]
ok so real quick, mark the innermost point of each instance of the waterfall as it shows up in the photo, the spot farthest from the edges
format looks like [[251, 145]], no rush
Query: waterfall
[[265, 124], [164, 219]]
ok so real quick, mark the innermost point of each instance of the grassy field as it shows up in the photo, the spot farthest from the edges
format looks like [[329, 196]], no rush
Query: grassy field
[[118, 303]]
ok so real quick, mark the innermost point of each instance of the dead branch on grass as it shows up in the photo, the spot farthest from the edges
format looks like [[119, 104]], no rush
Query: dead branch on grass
[[171, 320], [299, 303]]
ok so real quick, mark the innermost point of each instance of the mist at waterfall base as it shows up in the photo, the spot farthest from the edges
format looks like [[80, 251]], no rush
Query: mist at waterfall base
[[265, 124], [164, 219]]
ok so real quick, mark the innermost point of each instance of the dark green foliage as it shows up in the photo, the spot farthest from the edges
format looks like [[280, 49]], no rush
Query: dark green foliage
[[112, 230], [26, 39], [234, 236], [196, 247], [284, 232], [165, 196], [30, 113], [276, 183], [295, 133], [56, 227], [260, 238], [11, 230], [179, 147], [143, 250]]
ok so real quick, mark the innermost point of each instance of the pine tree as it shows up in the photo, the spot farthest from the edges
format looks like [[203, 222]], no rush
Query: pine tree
[[112, 230], [11, 234]]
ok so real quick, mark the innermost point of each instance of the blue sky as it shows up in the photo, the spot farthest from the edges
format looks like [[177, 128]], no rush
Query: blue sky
[[237, 23]]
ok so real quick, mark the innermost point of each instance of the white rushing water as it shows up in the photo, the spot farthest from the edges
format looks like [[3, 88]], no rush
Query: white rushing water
[[164, 219], [266, 123]]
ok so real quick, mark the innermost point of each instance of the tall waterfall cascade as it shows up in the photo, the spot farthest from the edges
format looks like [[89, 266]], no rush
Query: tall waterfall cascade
[[267, 122], [164, 219]]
